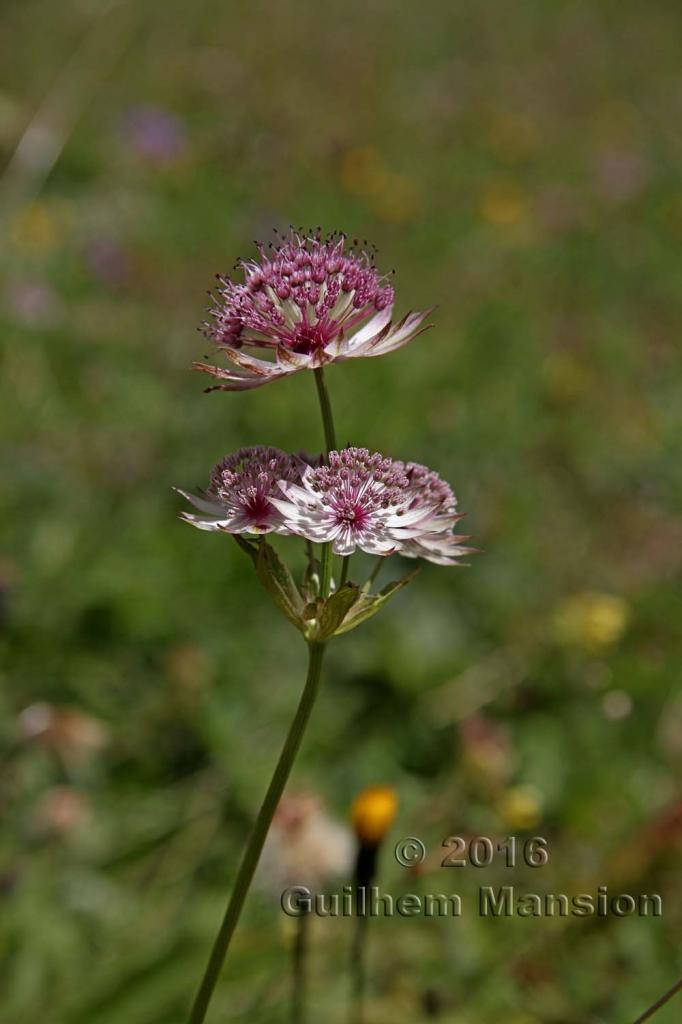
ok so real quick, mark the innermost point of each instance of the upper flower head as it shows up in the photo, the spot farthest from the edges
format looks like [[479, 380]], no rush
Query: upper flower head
[[238, 498], [305, 300], [357, 501]]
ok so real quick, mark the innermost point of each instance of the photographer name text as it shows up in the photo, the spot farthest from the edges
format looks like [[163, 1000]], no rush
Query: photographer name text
[[490, 901]]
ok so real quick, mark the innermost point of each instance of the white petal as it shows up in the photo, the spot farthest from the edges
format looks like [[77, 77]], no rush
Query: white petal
[[401, 334], [212, 507], [211, 524], [369, 330]]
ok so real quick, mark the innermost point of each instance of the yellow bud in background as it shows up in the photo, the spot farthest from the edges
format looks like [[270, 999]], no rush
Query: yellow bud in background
[[373, 812], [592, 620], [502, 204], [521, 807]]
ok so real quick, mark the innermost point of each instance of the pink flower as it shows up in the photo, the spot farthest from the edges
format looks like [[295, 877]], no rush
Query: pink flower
[[239, 496], [357, 501], [435, 541], [309, 302]]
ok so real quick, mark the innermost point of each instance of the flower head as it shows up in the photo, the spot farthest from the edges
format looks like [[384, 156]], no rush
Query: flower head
[[358, 500], [305, 846], [238, 498], [310, 301], [373, 813], [435, 541]]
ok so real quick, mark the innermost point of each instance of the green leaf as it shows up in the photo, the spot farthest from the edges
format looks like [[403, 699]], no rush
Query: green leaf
[[247, 547], [335, 609], [368, 605], [278, 581]]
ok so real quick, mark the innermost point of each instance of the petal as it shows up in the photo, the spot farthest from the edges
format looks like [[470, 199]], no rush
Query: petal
[[258, 367], [403, 332], [236, 381], [299, 495], [211, 524], [291, 361], [346, 541], [212, 507], [370, 330]]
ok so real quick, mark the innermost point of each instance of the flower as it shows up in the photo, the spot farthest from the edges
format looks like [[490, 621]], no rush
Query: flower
[[240, 492], [309, 302], [373, 813], [155, 134], [521, 807], [71, 734], [592, 620], [304, 846], [61, 812], [357, 501], [435, 541]]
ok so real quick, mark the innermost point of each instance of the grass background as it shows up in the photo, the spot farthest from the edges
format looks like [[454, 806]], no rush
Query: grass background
[[519, 166]]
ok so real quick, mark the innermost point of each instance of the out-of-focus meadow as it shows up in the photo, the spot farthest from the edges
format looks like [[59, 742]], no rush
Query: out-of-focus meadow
[[519, 166]]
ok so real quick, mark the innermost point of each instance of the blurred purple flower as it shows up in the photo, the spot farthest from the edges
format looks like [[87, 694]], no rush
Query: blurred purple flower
[[154, 134], [33, 303], [621, 174], [108, 261]]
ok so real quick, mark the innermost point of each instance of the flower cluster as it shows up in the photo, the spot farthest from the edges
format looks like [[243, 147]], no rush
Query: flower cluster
[[308, 301], [355, 500]]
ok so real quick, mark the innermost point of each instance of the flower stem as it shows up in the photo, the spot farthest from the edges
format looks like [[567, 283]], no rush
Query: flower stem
[[260, 830], [648, 1014], [358, 970], [329, 445], [326, 409], [344, 570], [377, 569], [299, 973]]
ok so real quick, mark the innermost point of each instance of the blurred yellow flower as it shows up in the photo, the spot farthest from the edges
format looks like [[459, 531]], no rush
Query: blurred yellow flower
[[512, 136], [373, 812], [592, 620], [565, 376], [363, 170], [34, 227], [399, 199], [503, 204], [521, 807]]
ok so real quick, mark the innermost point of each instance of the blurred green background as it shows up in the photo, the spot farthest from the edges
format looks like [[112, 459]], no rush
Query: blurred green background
[[519, 166]]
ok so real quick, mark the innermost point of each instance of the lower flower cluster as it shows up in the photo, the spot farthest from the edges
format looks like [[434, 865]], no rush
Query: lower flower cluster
[[356, 500]]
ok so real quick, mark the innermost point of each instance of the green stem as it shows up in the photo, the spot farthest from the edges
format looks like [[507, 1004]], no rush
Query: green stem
[[299, 973], [377, 569], [326, 560], [358, 969], [260, 830], [326, 409], [648, 1014], [329, 445], [344, 570]]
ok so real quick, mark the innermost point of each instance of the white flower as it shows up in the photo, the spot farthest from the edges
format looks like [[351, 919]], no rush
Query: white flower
[[435, 541], [357, 501], [239, 496]]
